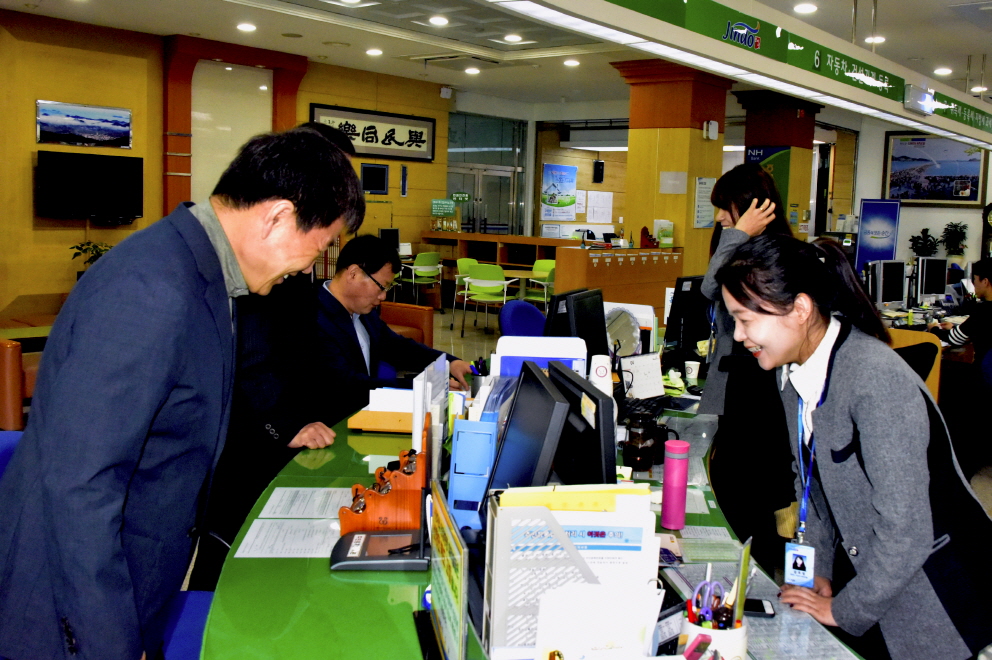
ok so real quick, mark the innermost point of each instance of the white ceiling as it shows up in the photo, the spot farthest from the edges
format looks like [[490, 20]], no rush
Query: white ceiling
[[531, 72]]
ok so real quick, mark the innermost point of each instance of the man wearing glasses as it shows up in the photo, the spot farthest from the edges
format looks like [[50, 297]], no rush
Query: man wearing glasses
[[353, 341]]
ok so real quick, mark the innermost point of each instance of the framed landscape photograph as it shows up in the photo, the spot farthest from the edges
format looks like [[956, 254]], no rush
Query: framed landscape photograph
[[83, 125], [925, 170]]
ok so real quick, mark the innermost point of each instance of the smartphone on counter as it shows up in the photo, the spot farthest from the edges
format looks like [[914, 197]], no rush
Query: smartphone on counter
[[758, 607]]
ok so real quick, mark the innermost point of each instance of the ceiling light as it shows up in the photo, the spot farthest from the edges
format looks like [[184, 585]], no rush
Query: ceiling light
[[942, 71], [229, 68], [471, 70], [438, 20], [688, 58], [336, 43], [350, 2], [571, 63], [373, 51], [264, 88], [978, 89], [513, 38], [804, 8], [875, 40], [733, 147], [246, 27], [567, 22], [777, 85]]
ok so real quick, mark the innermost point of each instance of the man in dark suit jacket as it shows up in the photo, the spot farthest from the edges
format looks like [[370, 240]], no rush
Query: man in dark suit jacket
[[352, 341], [100, 501]]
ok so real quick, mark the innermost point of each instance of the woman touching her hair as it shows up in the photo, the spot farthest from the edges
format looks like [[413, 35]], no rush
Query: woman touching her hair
[[900, 562], [748, 204]]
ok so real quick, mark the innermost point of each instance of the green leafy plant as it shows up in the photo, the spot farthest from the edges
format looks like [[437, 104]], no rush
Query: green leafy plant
[[93, 251], [923, 244], [953, 238]]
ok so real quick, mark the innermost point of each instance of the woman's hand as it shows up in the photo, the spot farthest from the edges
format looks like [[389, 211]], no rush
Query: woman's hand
[[816, 601], [756, 218]]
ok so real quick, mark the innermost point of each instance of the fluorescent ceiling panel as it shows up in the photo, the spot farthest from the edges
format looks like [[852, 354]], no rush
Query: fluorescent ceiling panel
[[558, 19]]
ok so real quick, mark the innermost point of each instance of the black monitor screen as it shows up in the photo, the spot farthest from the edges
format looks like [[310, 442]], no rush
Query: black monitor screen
[[108, 190], [391, 237], [932, 276], [893, 276], [587, 319], [557, 323], [375, 179], [688, 318], [530, 437], [587, 448]]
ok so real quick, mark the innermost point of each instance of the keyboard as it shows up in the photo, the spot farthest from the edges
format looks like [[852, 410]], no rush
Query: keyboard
[[653, 406]]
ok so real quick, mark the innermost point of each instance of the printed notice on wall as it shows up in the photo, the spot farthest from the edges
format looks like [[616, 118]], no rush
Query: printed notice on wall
[[580, 201], [703, 212]]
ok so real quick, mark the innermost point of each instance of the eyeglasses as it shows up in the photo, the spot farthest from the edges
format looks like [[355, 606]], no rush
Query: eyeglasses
[[384, 289]]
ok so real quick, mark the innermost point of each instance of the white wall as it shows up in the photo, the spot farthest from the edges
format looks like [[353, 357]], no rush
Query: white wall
[[912, 219], [229, 107]]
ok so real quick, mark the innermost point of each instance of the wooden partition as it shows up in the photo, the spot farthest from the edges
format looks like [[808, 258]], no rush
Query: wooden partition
[[637, 275], [506, 251]]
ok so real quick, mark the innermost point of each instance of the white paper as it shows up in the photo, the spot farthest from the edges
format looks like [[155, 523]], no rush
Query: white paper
[[702, 532], [601, 200], [695, 501], [271, 537], [580, 201], [645, 374], [550, 231], [599, 214], [306, 502], [669, 295], [627, 555], [390, 399]]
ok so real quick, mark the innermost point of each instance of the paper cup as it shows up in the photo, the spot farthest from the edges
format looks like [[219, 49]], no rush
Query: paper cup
[[692, 371], [732, 644]]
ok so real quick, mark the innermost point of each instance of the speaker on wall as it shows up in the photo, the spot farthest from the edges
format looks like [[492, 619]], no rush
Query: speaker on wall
[[598, 171]]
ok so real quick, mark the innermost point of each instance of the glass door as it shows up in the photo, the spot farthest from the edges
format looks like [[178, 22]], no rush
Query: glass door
[[496, 203]]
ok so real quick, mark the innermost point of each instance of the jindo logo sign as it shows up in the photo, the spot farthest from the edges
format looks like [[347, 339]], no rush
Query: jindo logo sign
[[743, 34]]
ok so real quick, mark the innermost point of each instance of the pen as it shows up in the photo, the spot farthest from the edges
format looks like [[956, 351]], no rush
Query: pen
[[475, 371]]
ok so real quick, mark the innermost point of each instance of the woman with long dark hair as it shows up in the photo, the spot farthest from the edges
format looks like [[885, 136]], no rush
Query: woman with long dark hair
[[901, 557], [748, 204]]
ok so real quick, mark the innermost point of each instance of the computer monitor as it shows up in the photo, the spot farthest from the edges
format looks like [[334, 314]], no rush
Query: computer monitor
[[375, 179], [526, 450], [586, 319], [688, 321], [587, 450], [391, 237], [886, 282], [931, 276]]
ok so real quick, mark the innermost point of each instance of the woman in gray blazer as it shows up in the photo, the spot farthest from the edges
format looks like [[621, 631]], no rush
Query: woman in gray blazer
[[900, 537], [748, 204]]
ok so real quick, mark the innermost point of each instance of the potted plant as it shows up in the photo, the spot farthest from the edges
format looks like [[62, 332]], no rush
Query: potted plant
[[93, 251], [923, 244], [953, 239]]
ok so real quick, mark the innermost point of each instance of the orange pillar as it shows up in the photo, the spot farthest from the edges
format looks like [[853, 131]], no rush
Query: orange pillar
[[779, 133], [669, 104]]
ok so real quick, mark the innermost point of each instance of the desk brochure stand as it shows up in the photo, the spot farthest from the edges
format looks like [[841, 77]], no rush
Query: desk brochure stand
[[449, 579], [559, 555]]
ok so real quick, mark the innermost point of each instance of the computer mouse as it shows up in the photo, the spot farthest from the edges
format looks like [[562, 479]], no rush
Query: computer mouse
[[694, 390]]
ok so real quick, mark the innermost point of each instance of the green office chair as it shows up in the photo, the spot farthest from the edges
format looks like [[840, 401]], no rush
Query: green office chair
[[545, 289], [486, 285], [426, 270], [541, 269], [463, 266]]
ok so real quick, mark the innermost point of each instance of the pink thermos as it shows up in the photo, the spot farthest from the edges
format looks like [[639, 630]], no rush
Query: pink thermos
[[676, 480]]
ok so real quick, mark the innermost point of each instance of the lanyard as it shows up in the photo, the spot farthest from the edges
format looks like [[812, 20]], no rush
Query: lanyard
[[805, 474]]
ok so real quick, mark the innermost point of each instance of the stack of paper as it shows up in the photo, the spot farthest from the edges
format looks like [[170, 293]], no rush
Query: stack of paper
[[296, 522]]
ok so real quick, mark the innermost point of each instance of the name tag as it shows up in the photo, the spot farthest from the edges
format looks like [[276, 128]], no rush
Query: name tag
[[799, 561]]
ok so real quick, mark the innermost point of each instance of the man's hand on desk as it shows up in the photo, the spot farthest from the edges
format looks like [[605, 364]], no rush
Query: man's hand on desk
[[816, 601], [315, 435], [458, 370]]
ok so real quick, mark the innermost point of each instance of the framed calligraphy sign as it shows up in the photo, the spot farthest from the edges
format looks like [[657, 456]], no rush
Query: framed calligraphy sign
[[380, 134]]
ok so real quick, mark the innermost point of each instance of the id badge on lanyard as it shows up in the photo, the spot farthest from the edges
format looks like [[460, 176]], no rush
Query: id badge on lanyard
[[799, 557]]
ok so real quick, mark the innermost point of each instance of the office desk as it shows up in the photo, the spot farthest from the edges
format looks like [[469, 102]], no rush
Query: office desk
[[297, 609]]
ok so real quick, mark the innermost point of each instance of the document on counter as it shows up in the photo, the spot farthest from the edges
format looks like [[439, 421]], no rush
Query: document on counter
[[306, 502], [702, 532], [270, 537]]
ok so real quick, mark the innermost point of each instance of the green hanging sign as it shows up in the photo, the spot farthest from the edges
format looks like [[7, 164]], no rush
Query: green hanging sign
[[460, 197]]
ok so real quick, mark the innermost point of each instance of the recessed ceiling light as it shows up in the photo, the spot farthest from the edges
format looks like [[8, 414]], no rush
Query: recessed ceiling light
[[437, 20], [471, 70], [259, 66], [942, 71], [322, 57], [804, 8], [343, 44], [978, 89], [875, 40], [246, 27], [351, 2], [291, 35], [217, 59], [373, 51], [229, 68], [193, 34], [571, 63], [264, 88], [513, 38]]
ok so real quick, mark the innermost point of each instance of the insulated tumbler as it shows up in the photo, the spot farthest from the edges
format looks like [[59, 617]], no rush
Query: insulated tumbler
[[676, 480]]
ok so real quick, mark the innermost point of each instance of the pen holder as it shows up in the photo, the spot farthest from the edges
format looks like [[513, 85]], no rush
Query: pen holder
[[732, 643]]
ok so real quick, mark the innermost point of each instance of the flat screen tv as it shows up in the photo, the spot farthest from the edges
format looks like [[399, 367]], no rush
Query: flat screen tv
[[107, 190], [375, 179]]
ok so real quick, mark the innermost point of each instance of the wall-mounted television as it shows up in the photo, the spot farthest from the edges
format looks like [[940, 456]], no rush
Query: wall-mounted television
[[107, 190], [375, 179]]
